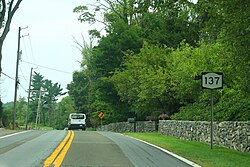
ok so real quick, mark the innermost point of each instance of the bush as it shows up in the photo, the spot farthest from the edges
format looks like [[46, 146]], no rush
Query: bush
[[232, 106], [193, 112]]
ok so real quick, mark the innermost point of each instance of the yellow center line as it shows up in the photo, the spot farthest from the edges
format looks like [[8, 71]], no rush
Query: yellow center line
[[60, 158], [53, 156]]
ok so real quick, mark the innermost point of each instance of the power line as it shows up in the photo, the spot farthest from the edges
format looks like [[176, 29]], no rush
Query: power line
[[31, 48], [23, 88], [12, 78], [47, 67], [23, 75], [7, 76]]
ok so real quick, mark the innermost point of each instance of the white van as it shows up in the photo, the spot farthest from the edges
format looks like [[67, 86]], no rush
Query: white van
[[77, 121]]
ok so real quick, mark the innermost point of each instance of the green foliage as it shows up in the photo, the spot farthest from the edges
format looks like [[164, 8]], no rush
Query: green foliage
[[229, 108], [143, 80], [210, 57], [21, 109], [85, 15], [80, 89], [232, 107], [227, 21], [152, 51], [48, 94], [193, 112], [172, 25], [7, 114], [65, 107]]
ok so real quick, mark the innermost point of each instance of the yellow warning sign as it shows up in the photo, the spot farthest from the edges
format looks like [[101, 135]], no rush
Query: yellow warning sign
[[101, 114]]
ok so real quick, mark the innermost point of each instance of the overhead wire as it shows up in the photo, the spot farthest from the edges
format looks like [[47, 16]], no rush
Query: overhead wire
[[31, 49], [7, 76], [33, 58], [47, 67], [23, 76], [26, 56]]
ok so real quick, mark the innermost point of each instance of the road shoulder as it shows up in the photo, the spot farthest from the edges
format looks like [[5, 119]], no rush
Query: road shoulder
[[168, 152], [4, 132]]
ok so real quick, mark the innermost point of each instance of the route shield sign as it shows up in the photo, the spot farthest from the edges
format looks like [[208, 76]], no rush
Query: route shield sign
[[212, 80]]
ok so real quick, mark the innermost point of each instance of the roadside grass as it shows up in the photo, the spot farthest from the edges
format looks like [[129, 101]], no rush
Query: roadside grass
[[90, 129], [45, 128], [200, 153]]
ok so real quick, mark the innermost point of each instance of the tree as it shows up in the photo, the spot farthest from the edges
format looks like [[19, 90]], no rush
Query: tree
[[65, 107], [128, 23], [144, 81], [182, 40], [52, 91], [1, 113], [8, 8], [7, 11], [49, 93], [21, 111]]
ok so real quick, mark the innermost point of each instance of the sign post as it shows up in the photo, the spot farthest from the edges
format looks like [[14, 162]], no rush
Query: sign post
[[100, 115], [212, 80], [212, 118]]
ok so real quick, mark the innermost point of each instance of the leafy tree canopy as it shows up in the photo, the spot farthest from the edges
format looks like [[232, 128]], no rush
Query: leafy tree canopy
[[146, 63]]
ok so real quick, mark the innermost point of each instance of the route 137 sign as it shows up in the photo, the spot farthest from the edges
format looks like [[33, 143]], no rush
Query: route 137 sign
[[212, 80]]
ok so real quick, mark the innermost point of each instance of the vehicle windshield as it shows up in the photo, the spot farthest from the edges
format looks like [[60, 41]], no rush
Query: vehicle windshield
[[77, 116]]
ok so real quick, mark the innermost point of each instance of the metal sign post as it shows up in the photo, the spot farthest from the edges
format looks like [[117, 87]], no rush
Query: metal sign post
[[212, 118], [212, 80], [100, 115]]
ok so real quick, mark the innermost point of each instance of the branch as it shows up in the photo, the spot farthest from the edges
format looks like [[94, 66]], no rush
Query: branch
[[11, 13], [113, 8], [2, 13]]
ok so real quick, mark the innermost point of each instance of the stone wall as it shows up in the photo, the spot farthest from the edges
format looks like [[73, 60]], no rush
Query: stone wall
[[234, 135], [139, 126]]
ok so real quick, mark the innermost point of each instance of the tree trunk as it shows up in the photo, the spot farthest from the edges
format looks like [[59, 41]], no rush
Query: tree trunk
[[1, 114], [1, 104], [6, 27], [1, 46]]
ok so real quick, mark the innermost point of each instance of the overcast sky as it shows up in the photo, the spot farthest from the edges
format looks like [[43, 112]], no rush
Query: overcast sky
[[51, 28]]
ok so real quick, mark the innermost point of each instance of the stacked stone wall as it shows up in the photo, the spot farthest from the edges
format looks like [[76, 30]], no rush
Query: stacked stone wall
[[234, 135], [139, 126]]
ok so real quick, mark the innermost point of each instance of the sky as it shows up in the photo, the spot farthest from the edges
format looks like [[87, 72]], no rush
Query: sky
[[47, 44]]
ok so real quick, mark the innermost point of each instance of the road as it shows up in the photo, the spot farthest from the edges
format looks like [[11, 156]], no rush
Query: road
[[28, 149], [81, 149]]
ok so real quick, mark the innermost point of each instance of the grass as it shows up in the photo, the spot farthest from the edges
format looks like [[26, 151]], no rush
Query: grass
[[90, 129], [197, 152]]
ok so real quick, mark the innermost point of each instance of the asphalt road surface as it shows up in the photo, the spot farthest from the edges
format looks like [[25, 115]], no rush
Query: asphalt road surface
[[107, 149], [28, 149], [85, 149]]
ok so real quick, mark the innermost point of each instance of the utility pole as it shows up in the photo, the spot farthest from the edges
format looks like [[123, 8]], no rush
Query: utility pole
[[27, 111], [16, 79], [38, 108]]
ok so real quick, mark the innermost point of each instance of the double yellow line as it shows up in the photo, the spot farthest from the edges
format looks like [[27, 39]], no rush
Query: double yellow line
[[58, 155]]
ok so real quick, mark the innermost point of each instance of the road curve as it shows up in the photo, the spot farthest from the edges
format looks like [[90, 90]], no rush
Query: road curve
[[144, 155], [84, 149], [107, 149]]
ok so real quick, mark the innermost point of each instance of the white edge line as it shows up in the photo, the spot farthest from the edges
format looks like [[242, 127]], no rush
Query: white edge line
[[170, 153], [13, 134]]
